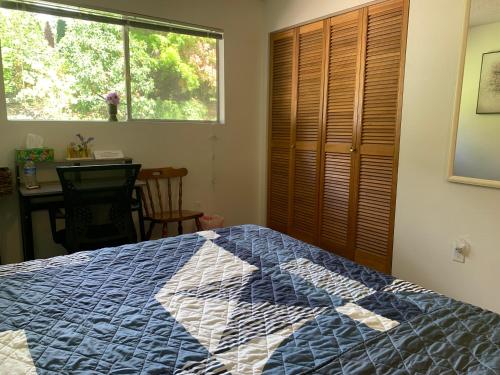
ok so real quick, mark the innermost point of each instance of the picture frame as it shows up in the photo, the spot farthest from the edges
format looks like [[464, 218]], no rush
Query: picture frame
[[488, 99]]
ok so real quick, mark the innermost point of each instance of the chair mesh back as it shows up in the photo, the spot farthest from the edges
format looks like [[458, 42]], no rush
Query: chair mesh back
[[97, 202]]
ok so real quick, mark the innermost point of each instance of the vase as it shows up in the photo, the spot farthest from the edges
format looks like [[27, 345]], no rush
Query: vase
[[82, 153], [113, 111]]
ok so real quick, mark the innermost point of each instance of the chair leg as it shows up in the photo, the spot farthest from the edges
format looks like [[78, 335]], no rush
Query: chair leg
[[198, 224], [180, 230], [150, 230], [142, 230], [164, 230], [52, 218]]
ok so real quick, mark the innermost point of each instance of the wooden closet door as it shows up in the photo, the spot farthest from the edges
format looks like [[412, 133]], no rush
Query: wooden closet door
[[307, 135], [282, 95], [378, 140], [339, 135]]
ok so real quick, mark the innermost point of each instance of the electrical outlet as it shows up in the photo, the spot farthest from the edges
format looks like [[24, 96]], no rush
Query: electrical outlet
[[461, 248], [458, 256]]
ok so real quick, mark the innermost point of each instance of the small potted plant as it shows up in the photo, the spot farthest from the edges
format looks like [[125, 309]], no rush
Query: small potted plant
[[112, 99], [80, 150]]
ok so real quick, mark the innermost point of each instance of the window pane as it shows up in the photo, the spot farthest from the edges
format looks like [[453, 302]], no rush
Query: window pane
[[173, 76], [58, 68]]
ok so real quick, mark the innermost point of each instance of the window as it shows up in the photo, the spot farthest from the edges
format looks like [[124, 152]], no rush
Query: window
[[55, 68], [173, 76], [59, 62]]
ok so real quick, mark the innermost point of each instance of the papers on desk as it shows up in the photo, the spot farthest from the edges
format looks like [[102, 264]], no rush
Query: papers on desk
[[110, 154]]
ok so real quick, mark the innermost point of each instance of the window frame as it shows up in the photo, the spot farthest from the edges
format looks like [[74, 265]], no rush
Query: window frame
[[127, 75]]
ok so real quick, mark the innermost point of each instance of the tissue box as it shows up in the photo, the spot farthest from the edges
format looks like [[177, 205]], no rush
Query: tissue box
[[35, 154]]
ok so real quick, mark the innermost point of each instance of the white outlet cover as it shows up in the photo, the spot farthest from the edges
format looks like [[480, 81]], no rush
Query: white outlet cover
[[459, 256]]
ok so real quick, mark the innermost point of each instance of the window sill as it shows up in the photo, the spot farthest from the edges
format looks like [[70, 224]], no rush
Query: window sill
[[104, 123]]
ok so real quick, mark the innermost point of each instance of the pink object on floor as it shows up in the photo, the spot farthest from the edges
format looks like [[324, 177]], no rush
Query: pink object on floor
[[211, 222]]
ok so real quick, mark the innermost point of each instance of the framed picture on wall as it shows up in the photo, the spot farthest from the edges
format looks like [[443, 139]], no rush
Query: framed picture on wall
[[488, 100]]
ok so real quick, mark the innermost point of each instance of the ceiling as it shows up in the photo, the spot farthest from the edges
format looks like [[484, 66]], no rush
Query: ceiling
[[484, 11]]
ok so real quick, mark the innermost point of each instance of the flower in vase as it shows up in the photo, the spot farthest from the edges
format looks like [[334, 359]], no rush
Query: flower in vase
[[113, 98]]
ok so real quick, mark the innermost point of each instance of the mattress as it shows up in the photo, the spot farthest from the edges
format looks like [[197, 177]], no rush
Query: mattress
[[238, 300]]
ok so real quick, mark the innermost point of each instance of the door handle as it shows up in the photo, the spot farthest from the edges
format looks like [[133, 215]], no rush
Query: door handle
[[352, 149]]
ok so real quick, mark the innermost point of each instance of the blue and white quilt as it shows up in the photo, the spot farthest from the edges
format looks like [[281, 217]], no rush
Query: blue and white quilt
[[239, 300]]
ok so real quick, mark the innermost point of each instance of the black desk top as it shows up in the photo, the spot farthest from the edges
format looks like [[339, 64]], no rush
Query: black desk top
[[83, 161], [52, 188]]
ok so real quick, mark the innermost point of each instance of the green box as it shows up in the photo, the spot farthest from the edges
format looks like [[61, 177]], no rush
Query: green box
[[35, 154]]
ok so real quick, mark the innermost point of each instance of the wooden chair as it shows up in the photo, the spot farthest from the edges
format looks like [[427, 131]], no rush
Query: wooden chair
[[153, 200]]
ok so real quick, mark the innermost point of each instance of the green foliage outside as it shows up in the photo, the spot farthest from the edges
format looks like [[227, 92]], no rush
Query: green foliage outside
[[58, 69], [174, 74]]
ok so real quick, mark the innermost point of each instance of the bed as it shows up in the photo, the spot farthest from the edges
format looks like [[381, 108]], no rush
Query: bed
[[239, 300]]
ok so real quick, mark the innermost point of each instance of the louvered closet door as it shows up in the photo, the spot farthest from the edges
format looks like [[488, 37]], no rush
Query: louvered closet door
[[379, 133], [343, 66], [282, 91], [307, 135]]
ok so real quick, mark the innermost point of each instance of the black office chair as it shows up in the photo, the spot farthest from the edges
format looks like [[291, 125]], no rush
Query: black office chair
[[98, 206]]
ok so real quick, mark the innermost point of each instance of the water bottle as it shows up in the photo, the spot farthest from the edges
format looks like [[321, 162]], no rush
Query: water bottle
[[30, 174]]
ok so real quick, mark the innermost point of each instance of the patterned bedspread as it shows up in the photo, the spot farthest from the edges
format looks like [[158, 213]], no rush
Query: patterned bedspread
[[239, 300]]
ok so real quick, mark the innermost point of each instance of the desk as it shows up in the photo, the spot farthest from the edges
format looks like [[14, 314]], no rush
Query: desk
[[50, 196]]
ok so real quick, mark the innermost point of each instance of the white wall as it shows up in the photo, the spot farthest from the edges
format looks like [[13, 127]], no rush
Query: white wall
[[478, 154], [236, 173], [431, 212]]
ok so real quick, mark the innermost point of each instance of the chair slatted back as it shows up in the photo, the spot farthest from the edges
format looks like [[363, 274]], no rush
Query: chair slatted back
[[97, 195], [153, 198]]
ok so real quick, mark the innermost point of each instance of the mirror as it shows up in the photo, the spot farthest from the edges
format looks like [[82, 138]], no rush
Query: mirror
[[475, 151]]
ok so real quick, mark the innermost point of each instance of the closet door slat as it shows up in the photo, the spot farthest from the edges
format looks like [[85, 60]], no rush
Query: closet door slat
[[307, 142], [281, 120], [378, 141], [341, 100]]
